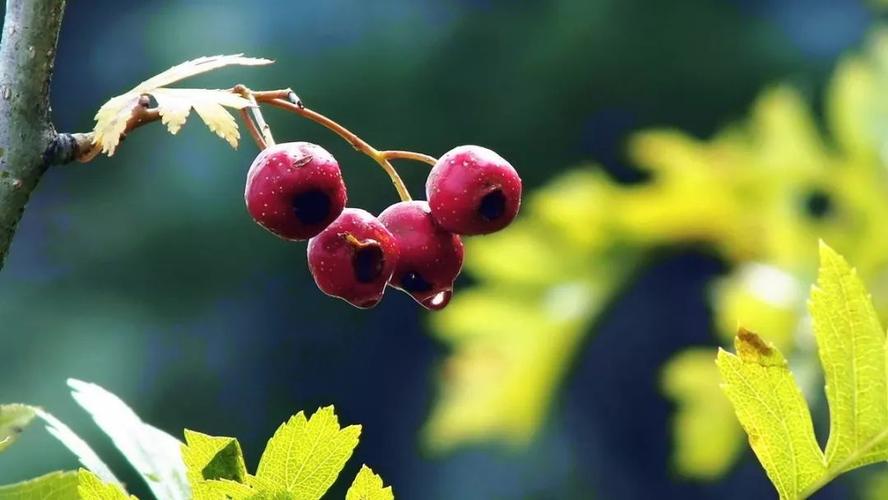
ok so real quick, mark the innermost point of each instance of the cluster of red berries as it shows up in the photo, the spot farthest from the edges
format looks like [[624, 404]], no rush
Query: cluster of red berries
[[296, 191]]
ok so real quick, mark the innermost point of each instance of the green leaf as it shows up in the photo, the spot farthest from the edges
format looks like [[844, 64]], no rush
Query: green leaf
[[90, 487], [153, 453], [52, 486], [212, 464], [773, 412], [368, 486], [305, 456], [13, 420], [850, 342], [210, 457], [771, 408]]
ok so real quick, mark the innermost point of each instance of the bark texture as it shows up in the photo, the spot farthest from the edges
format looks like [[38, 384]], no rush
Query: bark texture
[[28, 141]]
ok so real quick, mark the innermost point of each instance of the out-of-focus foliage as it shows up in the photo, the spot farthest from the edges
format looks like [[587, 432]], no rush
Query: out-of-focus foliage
[[300, 462], [772, 409], [174, 105], [759, 193], [13, 418]]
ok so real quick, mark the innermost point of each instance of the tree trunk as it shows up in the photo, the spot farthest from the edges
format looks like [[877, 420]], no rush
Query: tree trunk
[[28, 141]]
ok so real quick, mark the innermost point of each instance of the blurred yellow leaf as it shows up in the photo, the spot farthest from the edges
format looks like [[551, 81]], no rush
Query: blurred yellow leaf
[[704, 421], [174, 105], [758, 194]]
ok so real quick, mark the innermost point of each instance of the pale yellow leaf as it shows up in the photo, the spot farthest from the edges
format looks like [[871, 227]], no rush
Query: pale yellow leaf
[[195, 67], [218, 120], [305, 456], [368, 486], [111, 121], [174, 104]]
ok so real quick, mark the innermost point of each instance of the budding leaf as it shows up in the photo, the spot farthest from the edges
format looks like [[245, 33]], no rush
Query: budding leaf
[[305, 456], [174, 105], [368, 486], [770, 405]]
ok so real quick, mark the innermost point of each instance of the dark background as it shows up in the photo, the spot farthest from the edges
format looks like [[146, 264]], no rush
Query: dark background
[[144, 273]]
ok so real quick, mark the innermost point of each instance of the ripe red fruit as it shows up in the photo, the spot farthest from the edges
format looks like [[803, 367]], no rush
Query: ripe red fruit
[[431, 257], [295, 190], [472, 190], [353, 258]]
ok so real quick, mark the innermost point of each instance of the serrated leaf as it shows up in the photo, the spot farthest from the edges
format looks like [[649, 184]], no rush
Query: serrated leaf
[[174, 105], [211, 461], [773, 412], [13, 419], [153, 453], [88, 458], [90, 487], [850, 342], [195, 67], [368, 486], [211, 457], [52, 486], [305, 456]]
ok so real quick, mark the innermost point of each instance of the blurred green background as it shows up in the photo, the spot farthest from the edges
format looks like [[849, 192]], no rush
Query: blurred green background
[[144, 273]]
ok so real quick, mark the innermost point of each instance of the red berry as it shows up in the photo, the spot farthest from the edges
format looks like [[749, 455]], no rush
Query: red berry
[[295, 190], [431, 257], [472, 190], [353, 258]]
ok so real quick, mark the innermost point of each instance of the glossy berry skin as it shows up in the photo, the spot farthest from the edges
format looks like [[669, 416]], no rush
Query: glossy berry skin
[[431, 257], [353, 258], [295, 190], [472, 190]]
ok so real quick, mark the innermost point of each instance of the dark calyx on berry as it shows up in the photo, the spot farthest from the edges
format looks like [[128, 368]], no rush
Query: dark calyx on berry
[[311, 207], [353, 258], [472, 190], [295, 190], [430, 257], [368, 262], [493, 205]]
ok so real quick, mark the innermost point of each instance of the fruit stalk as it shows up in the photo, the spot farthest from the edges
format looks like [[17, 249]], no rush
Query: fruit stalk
[[350, 137]]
